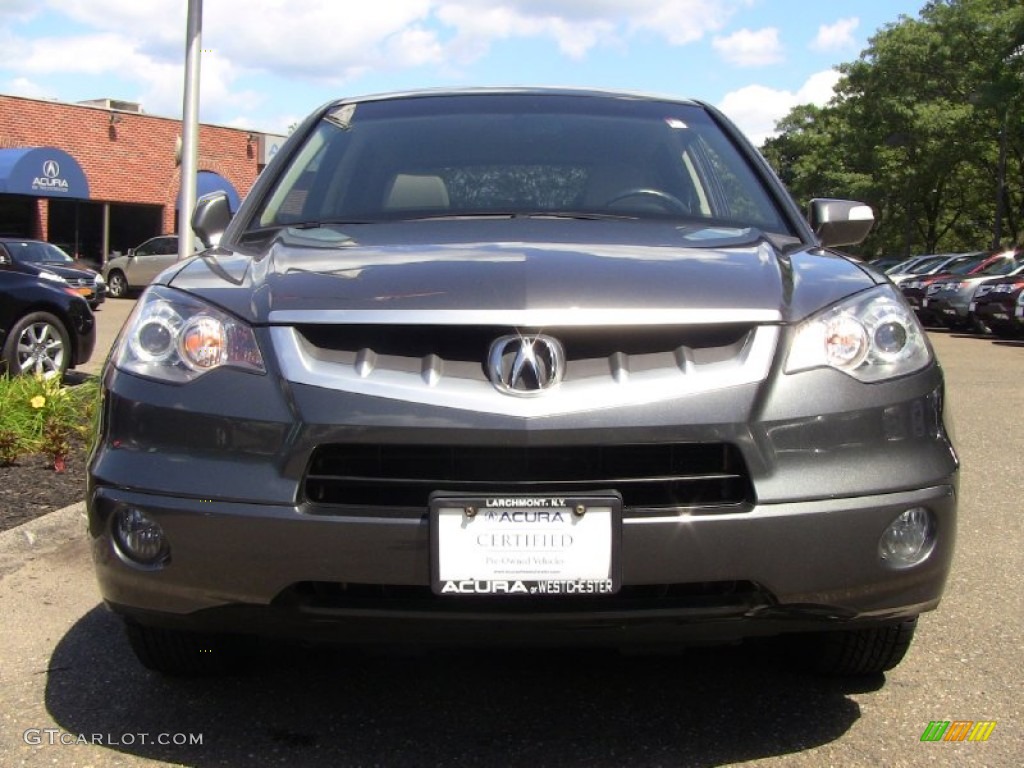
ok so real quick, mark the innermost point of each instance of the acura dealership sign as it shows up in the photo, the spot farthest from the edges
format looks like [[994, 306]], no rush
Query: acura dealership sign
[[51, 180], [42, 172]]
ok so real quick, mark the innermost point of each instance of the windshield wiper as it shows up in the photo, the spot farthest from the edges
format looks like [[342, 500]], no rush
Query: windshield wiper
[[456, 215], [319, 223], [580, 215]]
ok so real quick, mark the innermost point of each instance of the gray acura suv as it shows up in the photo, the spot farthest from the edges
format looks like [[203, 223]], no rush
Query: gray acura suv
[[522, 366]]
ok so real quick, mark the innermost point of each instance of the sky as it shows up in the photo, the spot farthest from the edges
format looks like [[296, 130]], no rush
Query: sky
[[265, 64]]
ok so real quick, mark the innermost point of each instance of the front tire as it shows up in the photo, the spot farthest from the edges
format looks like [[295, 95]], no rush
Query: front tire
[[38, 344], [858, 652], [180, 653], [117, 285]]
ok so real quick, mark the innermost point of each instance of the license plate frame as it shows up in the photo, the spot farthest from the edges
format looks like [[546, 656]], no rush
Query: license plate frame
[[525, 545]]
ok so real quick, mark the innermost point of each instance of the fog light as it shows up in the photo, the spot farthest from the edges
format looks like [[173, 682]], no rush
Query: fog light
[[139, 538], [909, 539]]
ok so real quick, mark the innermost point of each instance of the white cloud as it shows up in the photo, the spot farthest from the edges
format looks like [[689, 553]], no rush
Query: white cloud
[[85, 55], [139, 46], [17, 10], [819, 88], [749, 48], [838, 36], [756, 108], [22, 86], [578, 26]]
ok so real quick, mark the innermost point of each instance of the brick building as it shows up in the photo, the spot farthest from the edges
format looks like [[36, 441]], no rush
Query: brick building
[[103, 176]]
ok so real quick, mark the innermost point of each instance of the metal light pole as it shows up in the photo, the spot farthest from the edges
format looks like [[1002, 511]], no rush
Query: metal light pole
[[190, 129]]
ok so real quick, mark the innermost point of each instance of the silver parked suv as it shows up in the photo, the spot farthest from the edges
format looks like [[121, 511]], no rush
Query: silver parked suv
[[136, 269], [508, 366]]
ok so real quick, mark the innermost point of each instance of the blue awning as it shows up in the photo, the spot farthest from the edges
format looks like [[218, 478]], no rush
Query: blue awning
[[207, 182], [42, 172]]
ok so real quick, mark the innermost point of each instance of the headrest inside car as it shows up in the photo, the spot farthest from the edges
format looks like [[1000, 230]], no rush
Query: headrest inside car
[[416, 191]]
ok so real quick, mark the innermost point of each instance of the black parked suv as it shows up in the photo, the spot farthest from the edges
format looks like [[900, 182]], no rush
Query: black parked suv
[[998, 305], [522, 366], [46, 327], [37, 257]]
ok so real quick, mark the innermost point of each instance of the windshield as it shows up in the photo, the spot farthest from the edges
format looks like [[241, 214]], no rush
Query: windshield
[[519, 155], [1004, 266], [964, 265], [925, 266], [32, 252]]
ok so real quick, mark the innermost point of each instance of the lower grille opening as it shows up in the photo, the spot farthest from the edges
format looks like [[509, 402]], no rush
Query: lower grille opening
[[728, 596], [654, 476]]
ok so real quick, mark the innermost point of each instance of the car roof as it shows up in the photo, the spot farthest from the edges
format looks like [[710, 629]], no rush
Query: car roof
[[539, 90]]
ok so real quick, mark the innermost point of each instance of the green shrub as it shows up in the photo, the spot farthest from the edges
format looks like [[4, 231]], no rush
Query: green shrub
[[40, 415]]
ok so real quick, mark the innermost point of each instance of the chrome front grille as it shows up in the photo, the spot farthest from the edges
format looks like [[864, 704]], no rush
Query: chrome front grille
[[607, 365]]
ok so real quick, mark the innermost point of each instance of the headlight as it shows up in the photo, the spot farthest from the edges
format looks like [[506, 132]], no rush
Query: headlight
[[52, 277], [99, 280], [176, 337], [872, 336]]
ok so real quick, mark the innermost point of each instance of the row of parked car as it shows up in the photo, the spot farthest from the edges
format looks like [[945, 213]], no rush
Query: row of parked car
[[979, 291], [47, 299]]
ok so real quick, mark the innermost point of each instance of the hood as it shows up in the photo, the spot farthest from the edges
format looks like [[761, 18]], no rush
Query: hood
[[68, 272], [1001, 290], [512, 264]]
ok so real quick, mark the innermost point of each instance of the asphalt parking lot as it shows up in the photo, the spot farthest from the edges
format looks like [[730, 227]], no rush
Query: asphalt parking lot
[[109, 319], [72, 695]]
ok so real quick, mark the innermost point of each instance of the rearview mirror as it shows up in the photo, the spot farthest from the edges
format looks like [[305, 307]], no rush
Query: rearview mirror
[[211, 217]]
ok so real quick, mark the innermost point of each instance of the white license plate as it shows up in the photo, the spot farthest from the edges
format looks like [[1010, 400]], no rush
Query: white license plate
[[948, 311], [1019, 312], [924, 303], [973, 306], [1000, 316], [525, 545]]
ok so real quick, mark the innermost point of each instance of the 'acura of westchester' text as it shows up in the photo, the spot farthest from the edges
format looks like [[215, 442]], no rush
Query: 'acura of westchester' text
[[522, 366]]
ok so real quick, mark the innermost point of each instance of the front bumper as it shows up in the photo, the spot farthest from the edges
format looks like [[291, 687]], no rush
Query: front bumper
[[1007, 317], [777, 567], [947, 311], [83, 333]]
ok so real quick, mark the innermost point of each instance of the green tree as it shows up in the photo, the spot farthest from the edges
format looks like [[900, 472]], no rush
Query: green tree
[[915, 130]]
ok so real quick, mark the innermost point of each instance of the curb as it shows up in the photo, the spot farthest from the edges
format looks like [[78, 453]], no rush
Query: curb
[[41, 536]]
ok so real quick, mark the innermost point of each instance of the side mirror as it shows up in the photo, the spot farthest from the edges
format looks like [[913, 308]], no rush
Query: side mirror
[[840, 222], [211, 217]]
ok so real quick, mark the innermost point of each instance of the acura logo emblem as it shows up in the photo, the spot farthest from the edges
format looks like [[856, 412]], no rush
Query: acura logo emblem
[[526, 365], [51, 169]]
